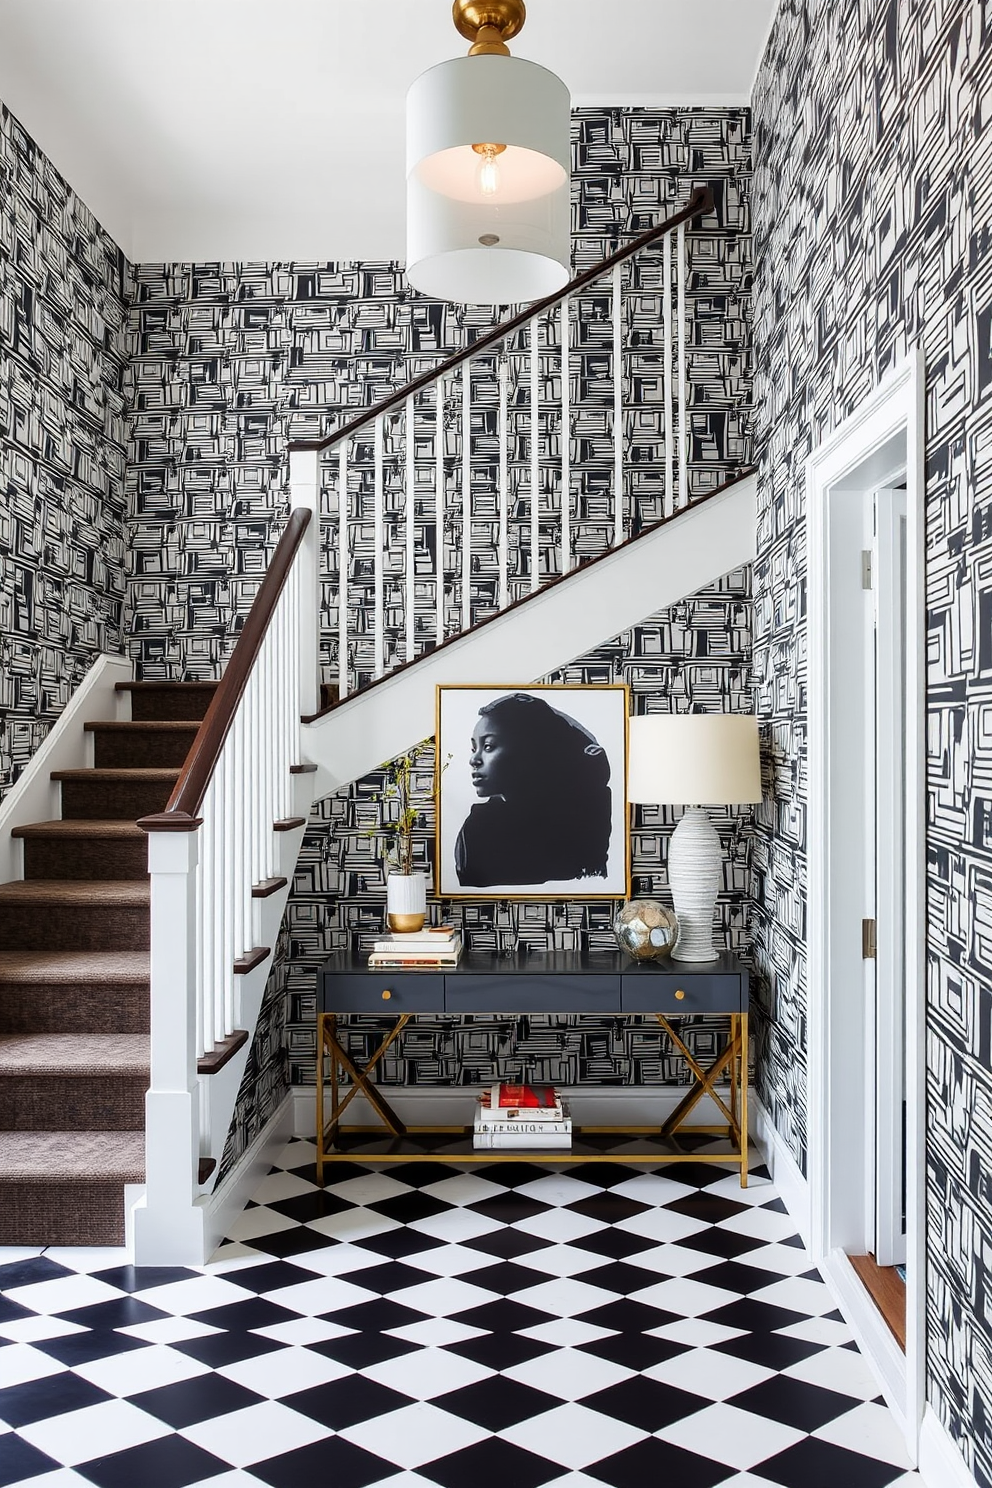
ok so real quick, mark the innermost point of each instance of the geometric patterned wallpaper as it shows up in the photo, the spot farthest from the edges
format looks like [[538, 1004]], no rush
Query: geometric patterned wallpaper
[[872, 208], [228, 360], [64, 293]]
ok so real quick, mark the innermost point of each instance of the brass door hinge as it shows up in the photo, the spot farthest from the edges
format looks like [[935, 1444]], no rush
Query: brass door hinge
[[868, 940]]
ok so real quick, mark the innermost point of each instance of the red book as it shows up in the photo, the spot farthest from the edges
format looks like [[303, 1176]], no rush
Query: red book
[[528, 1097]]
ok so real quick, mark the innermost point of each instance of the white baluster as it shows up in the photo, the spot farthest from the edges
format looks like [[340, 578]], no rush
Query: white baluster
[[202, 952], [504, 480], [378, 542], [210, 927], [564, 322], [439, 495], [236, 825], [666, 370], [232, 806], [683, 424], [343, 566], [251, 767], [214, 904], [618, 526], [466, 495], [304, 494], [410, 433], [535, 456]]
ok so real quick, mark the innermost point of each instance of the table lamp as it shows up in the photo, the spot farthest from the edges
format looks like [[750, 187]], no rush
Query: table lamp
[[696, 760]]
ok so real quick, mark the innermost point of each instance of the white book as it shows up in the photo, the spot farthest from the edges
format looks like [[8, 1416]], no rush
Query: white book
[[521, 1141], [564, 1125]]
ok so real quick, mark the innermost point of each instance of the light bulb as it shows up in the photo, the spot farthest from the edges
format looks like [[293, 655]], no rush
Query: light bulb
[[489, 176]]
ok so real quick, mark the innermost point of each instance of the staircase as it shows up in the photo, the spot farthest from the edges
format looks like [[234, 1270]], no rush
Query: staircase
[[74, 981]]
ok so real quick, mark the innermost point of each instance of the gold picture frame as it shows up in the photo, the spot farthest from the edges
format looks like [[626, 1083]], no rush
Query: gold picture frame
[[531, 776]]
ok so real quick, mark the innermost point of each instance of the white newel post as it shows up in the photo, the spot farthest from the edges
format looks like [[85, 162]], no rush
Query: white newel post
[[168, 1224], [304, 491]]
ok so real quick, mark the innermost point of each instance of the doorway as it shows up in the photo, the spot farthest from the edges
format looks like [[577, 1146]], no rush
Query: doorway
[[865, 488]]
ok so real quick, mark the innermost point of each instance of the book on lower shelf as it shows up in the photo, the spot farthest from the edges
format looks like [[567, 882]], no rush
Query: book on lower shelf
[[539, 1119]]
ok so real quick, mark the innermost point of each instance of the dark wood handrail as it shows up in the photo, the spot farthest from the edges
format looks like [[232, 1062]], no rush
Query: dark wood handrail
[[583, 567], [701, 201], [180, 814]]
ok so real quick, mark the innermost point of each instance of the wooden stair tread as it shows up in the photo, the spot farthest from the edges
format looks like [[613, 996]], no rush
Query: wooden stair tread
[[114, 827], [172, 686], [146, 772], [50, 1157], [143, 725], [74, 1055], [68, 967], [93, 891]]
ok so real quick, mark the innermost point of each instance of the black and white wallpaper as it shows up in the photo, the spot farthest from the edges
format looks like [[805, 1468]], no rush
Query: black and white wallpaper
[[872, 207], [64, 294], [228, 360]]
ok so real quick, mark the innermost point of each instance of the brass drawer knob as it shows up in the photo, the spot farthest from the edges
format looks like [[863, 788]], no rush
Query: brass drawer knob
[[386, 996], [679, 995]]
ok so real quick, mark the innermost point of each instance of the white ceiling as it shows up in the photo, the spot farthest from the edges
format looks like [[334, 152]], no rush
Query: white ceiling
[[273, 129]]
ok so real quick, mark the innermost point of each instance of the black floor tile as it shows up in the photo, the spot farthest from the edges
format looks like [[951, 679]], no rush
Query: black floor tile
[[628, 1317], [361, 1350], [622, 1276], [118, 1312], [332, 1461], [345, 1402], [83, 1348], [37, 1400], [645, 1403], [272, 1275], [19, 1460], [253, 1312], [710, 1207], [400, 1243], [189, 1401], [508, 1243], [819, 1464], [773, 1350], [376, 1316], [634, 1350], [407, 1208], [756, 1317], [30, 1270], [500, 1350], [386, 1277], [654, 1461], [618, 1244], [794, 1403], [218, 1349], [141, 1278], [505, 1278], [725, 1243], [306, 1207], [169, 1462], [509, 1208], [491, 1464], [504, 1316], [736, 1276], [293, 1242], [495, 1403], [608, 1207]]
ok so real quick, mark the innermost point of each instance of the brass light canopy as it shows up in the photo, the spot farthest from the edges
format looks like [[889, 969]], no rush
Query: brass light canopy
[[488, 159]]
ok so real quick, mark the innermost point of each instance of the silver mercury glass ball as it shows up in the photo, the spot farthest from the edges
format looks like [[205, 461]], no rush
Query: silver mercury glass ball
[[646, 929]]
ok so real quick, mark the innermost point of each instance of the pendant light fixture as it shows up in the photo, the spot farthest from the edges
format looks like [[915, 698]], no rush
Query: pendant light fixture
[[488, 169]]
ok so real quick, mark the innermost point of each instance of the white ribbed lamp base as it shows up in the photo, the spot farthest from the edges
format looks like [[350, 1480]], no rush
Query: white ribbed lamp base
[[694, 864]]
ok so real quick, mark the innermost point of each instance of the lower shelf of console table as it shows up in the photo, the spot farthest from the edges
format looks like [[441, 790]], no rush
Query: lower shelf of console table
[[559, 982]]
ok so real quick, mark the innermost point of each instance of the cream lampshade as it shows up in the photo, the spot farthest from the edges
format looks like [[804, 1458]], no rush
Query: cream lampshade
[[695, 760]]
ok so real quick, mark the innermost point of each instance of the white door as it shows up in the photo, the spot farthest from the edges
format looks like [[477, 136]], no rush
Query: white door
[[887, 1163]]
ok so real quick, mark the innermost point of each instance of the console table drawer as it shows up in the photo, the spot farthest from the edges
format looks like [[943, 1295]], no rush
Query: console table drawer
[[409, 992], [532, 994], [700, 993]]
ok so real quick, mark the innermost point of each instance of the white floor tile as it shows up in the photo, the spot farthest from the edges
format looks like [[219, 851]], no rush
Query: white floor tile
[[663, 1226], [296, 1155], [762, 1224], [11, 1254], [33, 1329], [463, 1188], [561, 1260], [62, 1294], [340, 1260], [696, 1332], [838, 1369], [458, 1226], [709, 1373], [232, 1257], [759, 1190], [558, 1189], [784, 1260], [353, 1225], [19, 1363], [571, 1376], [674, 1260], [871, 1430], [653, 1188], [278, 1186], [251, 1223], [427, 1373], [194, 1294], [824, 1330], [799, 1294], [87, 1258], [443, 1297], [168, 1330], [564, 1296], [323, 1294], [560, 1225], [449, 1260], [566, 1332], [435, 1332], [233, 1479], [411, 1480], [284, 1371], [95, 1431], [735, 1437], [255, 1433], [573, 1436], [304, 1330], [62, 1477], [140, 1369], [368, 1188], [415, 1434], [685, 1297]]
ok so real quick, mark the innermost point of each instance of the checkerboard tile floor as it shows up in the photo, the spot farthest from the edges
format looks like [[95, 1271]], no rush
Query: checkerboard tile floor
[[426, 1326]]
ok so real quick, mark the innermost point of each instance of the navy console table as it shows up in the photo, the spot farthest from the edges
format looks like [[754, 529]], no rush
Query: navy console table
[[557, 982]]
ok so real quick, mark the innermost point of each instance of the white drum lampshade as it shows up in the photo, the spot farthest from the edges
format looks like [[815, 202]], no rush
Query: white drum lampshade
[[695, 760], [488, 217]]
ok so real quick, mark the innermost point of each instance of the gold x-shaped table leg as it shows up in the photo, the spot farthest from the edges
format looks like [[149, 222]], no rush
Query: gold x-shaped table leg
[[362, 1084], [732, 1055]]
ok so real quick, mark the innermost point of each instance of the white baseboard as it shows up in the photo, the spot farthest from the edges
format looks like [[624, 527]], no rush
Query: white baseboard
[[222, 1207], [872, 1334], [639, 1105], [786, 1173], [941, 1463]]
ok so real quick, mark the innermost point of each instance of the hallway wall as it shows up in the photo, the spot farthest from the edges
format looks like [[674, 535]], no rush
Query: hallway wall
[[64, 291], [872, 206]]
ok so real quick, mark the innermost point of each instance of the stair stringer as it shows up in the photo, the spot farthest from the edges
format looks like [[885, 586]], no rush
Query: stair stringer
[[526, 642]]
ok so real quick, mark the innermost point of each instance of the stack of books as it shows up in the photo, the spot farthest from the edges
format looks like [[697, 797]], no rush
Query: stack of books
[[435, 945], [520, 1116]]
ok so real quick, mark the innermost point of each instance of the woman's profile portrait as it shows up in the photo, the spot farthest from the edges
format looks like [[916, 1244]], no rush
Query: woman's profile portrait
[[542, 804]]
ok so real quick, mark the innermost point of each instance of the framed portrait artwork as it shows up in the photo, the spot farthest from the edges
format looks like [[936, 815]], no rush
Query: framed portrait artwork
[[532, 792]]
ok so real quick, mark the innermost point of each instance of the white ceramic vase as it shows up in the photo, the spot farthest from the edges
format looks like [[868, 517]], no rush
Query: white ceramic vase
[[406, 901], [695, 862]]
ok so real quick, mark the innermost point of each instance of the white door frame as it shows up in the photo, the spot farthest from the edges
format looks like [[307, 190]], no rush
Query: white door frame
[[885, 433]]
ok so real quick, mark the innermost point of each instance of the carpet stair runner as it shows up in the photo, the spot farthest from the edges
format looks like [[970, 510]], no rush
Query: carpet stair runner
[[74, 981]]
